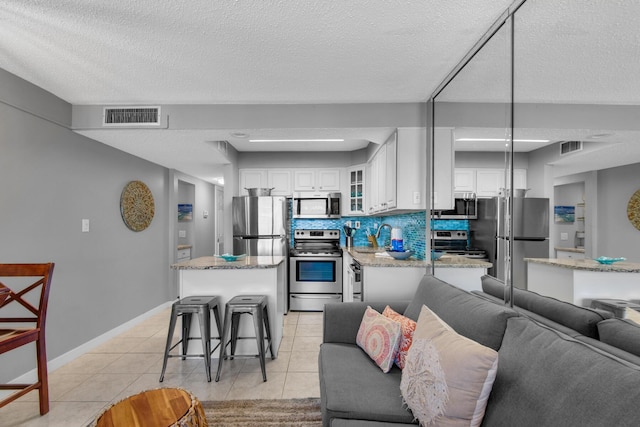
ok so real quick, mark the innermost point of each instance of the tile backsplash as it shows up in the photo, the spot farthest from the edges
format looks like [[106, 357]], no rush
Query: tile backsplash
[[413, 227]]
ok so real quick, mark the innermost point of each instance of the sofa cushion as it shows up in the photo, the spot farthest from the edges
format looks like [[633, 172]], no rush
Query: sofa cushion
[[547, 378], [581, 319], [407, 327], [448, 377], [379, 337], [353, 387], [621, 333], [469, 315]]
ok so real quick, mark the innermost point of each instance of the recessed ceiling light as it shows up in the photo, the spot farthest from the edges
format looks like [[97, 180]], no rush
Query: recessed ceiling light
[[239, 135], [296, 140], [499, 140], [599, 135]]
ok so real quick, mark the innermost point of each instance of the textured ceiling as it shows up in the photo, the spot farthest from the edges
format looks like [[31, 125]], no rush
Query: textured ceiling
[[261, 51], [160, 52]]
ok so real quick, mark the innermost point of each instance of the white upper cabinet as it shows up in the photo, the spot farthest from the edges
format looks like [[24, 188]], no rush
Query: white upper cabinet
[[396, 177], [316, 180], [443, 157], [252, 178], [281, 182], [391, 172], [465, 180], [277, 179], [487, 182], [355, 191]]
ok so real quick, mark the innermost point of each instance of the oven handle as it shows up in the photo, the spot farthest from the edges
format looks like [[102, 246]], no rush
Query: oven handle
[[325, 296]]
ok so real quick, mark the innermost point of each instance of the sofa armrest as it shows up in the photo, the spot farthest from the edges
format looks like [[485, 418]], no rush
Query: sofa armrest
[[341, 321]]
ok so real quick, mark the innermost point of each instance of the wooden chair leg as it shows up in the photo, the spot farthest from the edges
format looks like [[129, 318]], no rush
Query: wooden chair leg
[[43, 377]]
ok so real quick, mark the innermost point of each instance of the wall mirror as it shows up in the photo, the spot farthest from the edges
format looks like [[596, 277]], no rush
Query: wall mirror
[[575, 135], [472, 135]]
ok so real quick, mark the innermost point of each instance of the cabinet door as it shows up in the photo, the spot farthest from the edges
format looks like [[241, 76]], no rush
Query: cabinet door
[[391, 168], [489, 182], [304, 180], [465, 180], [252, 178], [280, 181], [381, 161], [328, 179], [355, 191], [372, 186], [519, 178], [443, 158]]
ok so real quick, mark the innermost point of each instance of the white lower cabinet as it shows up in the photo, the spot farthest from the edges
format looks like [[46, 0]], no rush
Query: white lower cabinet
[[390, 283]]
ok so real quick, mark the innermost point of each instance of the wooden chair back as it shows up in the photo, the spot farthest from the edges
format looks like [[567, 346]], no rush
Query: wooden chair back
[[16, 298]]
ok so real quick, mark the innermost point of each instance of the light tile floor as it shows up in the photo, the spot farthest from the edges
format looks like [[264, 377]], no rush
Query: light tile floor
[[132, 362]]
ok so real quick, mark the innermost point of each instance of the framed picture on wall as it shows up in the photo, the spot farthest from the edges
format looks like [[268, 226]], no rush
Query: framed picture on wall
[[564, 214], [185, 212]]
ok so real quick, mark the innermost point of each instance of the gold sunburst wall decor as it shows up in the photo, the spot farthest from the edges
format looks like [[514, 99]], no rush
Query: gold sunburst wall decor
[[137, 206], [633, 209]]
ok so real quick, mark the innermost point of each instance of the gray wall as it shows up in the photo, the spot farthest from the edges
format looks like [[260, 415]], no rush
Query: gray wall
[[616, 235], [52, 179]]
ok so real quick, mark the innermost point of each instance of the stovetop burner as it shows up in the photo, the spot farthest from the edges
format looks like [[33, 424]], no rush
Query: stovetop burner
[[316, 243]]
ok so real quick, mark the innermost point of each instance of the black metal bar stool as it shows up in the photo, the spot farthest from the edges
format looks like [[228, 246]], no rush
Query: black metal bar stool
[[202, 306], [256, 306]]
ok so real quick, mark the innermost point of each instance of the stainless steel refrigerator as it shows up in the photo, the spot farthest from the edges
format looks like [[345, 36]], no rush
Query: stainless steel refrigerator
[[530, 234], [260, 227]]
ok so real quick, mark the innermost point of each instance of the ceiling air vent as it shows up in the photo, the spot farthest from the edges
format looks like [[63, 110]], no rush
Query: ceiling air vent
[[567, 147], [131, 116]]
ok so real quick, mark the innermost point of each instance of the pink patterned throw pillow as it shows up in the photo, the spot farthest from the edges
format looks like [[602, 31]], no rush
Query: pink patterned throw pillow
[[379, 337], [407, 327]]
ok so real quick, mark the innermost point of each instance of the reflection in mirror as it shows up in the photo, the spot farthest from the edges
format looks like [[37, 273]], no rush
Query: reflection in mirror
[[472, 157], [577, 92]]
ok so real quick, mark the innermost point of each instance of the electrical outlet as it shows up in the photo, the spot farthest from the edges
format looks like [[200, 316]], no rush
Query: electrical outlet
[[348, 224], [564, 236], [205, 214], [85, 225], [182, 233], [416, 197], [357, 224]]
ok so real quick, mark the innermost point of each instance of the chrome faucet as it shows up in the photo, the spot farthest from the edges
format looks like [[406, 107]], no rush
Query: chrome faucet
[[381, 227]]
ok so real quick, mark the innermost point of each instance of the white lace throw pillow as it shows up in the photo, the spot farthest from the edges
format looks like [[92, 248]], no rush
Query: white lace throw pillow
[[423, 386], [447, 378]]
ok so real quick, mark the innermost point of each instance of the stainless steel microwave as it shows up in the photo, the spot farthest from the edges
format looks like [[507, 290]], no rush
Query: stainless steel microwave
[[465, 206], [316, 205]]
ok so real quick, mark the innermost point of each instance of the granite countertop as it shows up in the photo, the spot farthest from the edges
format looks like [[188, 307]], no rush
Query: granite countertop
[[365, 255], [215, 263], [184, 247], [455, 261], [575, 250], [587, 264]]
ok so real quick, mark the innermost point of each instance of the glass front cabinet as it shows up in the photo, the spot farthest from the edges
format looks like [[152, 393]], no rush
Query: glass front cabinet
[[355, 202]]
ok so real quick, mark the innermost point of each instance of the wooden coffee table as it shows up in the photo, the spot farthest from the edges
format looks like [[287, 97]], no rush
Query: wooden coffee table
[[153, 408]]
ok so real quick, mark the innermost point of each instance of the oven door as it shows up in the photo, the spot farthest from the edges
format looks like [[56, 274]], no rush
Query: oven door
[[315, 275]]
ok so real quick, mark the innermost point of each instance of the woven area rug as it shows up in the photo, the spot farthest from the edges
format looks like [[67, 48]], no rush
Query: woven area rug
[[263, 412]]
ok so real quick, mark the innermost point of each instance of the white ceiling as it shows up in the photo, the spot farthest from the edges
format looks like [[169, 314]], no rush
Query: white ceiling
[[162, 52]]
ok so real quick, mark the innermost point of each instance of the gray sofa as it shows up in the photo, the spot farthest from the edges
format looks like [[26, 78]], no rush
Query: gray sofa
[[545, 377]]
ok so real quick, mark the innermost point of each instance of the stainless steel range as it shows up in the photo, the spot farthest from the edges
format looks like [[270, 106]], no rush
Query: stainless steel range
[[456, 242], [315, 269]]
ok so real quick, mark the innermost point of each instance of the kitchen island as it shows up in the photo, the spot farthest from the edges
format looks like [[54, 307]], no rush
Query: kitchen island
[[386, 278], [579, 281], [252, 275]]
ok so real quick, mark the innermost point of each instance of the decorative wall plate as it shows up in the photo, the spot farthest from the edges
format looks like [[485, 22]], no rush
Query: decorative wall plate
[[633, 209], [137, 206]]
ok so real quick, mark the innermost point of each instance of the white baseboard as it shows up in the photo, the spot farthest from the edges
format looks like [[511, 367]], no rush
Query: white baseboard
[[67, 357]]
